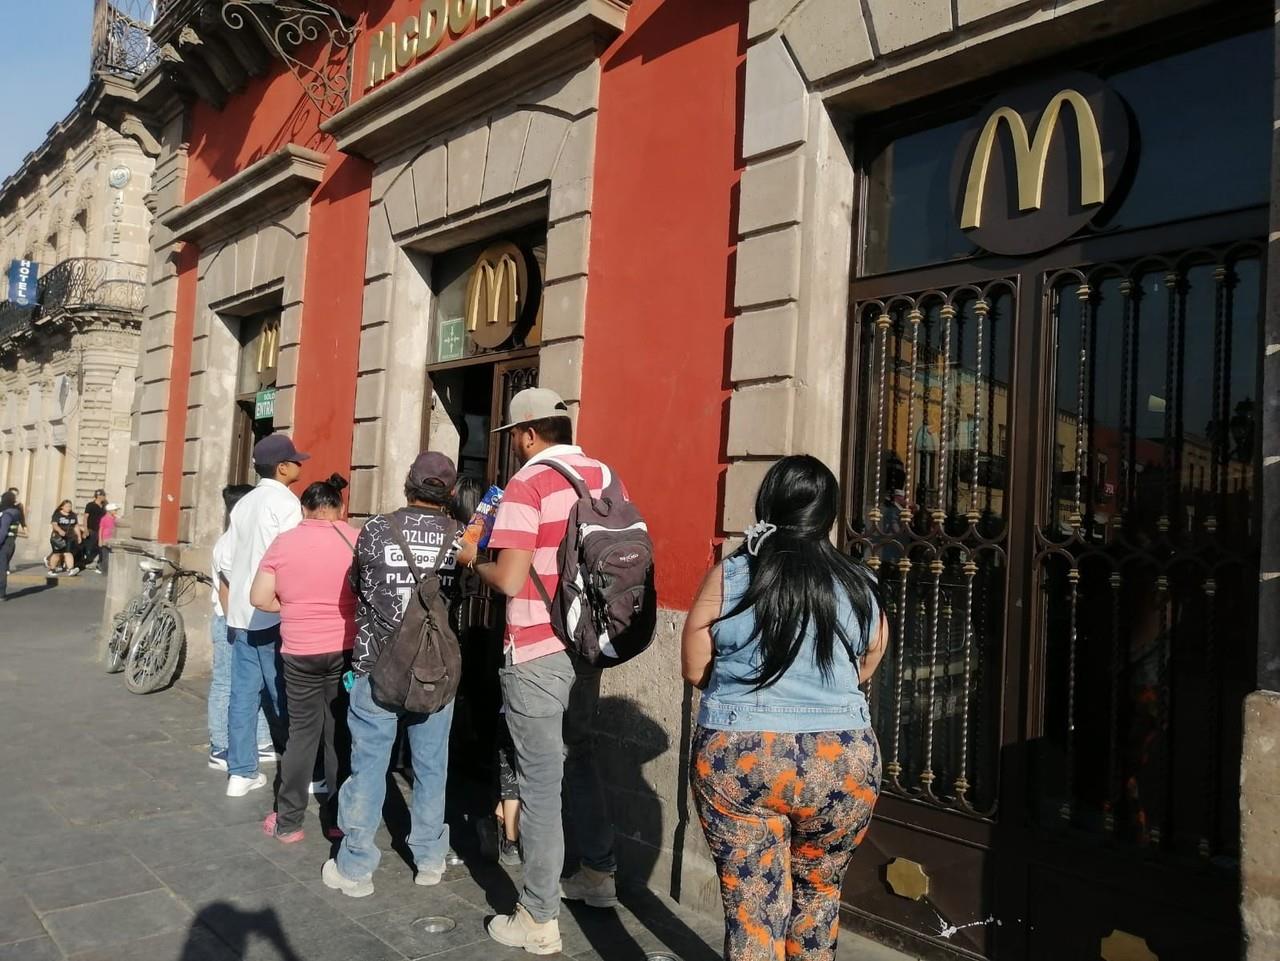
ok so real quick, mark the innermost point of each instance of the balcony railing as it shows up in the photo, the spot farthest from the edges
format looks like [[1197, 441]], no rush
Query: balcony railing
[[122, 44], [93, 283], [14, 319]]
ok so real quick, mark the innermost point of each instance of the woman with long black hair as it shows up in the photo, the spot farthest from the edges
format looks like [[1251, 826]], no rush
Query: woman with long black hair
[[785, 766], [305, 575]]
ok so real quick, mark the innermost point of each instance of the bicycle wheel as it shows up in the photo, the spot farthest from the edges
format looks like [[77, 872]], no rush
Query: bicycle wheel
[[124, 627], [156, 650]]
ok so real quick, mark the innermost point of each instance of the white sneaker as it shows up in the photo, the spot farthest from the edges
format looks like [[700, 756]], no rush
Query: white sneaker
[[74, 572], [319, 788], [239, 786], [429, 877], [333, 878], [593, 887], [519, 930], [267, 754]]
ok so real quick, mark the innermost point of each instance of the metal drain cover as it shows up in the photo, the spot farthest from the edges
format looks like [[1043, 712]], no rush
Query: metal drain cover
[[660, 956], [453, 859], [435, 925]]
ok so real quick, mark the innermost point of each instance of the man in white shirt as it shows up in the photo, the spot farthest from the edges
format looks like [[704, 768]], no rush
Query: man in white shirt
[[269, 509]]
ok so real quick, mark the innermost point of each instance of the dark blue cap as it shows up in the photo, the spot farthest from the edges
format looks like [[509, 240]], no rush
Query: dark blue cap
[[277, 449]]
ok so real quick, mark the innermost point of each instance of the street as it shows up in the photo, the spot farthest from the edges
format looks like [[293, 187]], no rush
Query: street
[[120, 843]]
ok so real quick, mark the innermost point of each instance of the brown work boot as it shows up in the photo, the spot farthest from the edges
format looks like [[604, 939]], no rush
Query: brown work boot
[[519, 930]]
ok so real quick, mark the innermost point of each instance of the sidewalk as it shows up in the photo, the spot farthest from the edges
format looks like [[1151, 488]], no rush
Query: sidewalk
[[120, 845]]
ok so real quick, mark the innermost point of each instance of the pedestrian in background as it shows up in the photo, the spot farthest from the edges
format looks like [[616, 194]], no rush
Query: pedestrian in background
[[267, 511], [220, 678], [107, 534], [64, 540], [785, 766], [9, 516], [22, 511], [93, 512], [305, 576]]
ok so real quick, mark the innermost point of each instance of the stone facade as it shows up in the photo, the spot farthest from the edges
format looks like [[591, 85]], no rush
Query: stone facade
[[66, 373]]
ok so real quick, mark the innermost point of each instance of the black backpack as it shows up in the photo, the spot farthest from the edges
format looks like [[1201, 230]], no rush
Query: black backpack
[[606, 606], [420, 665]]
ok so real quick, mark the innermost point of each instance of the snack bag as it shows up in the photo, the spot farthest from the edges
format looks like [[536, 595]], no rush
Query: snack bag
[[480, 527]]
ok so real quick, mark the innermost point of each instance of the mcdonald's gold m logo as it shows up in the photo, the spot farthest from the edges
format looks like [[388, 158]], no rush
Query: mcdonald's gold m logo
[[496, 295], [1031, 155]]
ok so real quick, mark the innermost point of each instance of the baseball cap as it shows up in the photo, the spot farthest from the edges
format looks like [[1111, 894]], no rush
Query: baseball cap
[[533, 403], [277, 449], [431, 468], [99, 493]]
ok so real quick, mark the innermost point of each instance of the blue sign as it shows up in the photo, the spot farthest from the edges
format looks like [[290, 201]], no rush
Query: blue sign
[[23, 275]]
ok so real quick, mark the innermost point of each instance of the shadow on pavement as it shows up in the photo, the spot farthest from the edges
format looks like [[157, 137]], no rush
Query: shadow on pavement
[[235, 928]]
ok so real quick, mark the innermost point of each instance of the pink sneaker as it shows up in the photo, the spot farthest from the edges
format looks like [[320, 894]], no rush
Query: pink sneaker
[[269, 828]]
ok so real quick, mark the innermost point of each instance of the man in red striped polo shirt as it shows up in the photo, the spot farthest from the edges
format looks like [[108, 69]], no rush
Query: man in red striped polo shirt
[[550, 693]]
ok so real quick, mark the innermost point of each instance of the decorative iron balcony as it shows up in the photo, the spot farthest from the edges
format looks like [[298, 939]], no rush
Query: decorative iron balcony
[[14, 319], [92, 283], [122, 44]]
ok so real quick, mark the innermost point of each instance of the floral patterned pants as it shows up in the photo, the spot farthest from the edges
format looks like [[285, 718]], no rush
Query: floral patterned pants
[[783, 814]]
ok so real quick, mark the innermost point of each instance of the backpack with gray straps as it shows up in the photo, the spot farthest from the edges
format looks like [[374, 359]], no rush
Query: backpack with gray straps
[[606, 606], [420, 665]]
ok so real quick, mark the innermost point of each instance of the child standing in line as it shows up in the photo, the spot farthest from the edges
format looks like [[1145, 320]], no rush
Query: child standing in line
[[500, 838], [106, 536]]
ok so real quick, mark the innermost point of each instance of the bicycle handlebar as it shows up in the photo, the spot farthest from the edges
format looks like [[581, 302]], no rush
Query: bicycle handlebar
[[161, 559]]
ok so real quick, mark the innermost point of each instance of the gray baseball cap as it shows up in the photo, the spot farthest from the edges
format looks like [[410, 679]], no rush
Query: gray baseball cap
[[534, 403]]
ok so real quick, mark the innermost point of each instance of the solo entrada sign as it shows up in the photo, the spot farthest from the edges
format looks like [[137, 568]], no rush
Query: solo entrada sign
[[1040, 163], [398, 46]]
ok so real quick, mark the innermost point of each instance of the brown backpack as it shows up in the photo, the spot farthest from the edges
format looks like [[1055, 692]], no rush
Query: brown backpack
[[420, 664]]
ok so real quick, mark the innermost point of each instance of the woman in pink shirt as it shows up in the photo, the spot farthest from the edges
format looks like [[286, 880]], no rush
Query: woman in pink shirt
[[305, 575]]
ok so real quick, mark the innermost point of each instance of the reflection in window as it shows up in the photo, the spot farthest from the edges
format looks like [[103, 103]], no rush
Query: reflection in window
[[1144, 570], [930, 496], [1198, 159]]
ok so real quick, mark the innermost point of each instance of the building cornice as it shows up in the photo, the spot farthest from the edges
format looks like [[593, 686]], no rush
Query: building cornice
[[75, 126], [275, 182], [527, 45]]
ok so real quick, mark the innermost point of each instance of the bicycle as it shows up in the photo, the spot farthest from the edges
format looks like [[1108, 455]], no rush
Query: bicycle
[[148, 636]]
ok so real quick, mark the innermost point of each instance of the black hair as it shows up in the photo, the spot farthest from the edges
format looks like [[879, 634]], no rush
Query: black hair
[[325, 493], [232, 493], [8, 499], [551, 430], [429, 493], [265, 470], [467, 495], [797, 575]]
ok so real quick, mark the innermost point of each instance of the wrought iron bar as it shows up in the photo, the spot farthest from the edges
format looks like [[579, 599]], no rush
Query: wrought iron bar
[[122, 44], [86, 283], [980, 308], [1115, 787], [882, 333], [1171, 334], [291, 24], [1073, 578]]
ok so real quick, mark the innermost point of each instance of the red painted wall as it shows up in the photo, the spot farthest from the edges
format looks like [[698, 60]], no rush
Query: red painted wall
[[660, 288], [175, 428], [659, 296]]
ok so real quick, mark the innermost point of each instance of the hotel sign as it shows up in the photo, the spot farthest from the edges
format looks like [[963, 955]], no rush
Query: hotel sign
[[399, 45], [1040, 163]]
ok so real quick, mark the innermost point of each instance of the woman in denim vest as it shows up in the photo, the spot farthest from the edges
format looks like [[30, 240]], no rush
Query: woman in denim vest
[[785, 767]]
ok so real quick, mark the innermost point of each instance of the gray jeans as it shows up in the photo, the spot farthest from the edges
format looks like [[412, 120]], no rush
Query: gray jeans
[[551, 711]]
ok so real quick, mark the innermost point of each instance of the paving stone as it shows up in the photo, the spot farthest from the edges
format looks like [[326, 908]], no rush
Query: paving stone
[[17, 921], [196, 943], [35, 949], [163, 847], [103, 804], [396, 927], [34, 855], [202, 882], [34, 817], [118, 921], [89, 883]]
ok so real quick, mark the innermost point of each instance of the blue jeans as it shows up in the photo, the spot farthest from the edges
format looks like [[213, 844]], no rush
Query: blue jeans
[[255, 666], [220, 687], [373, 733]]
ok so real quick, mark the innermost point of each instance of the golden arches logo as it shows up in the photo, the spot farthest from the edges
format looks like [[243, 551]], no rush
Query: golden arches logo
[[496, 293], [1031, 155]]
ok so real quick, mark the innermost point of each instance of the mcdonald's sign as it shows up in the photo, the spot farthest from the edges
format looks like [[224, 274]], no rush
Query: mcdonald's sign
[[499, 297], [1040, 163]]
